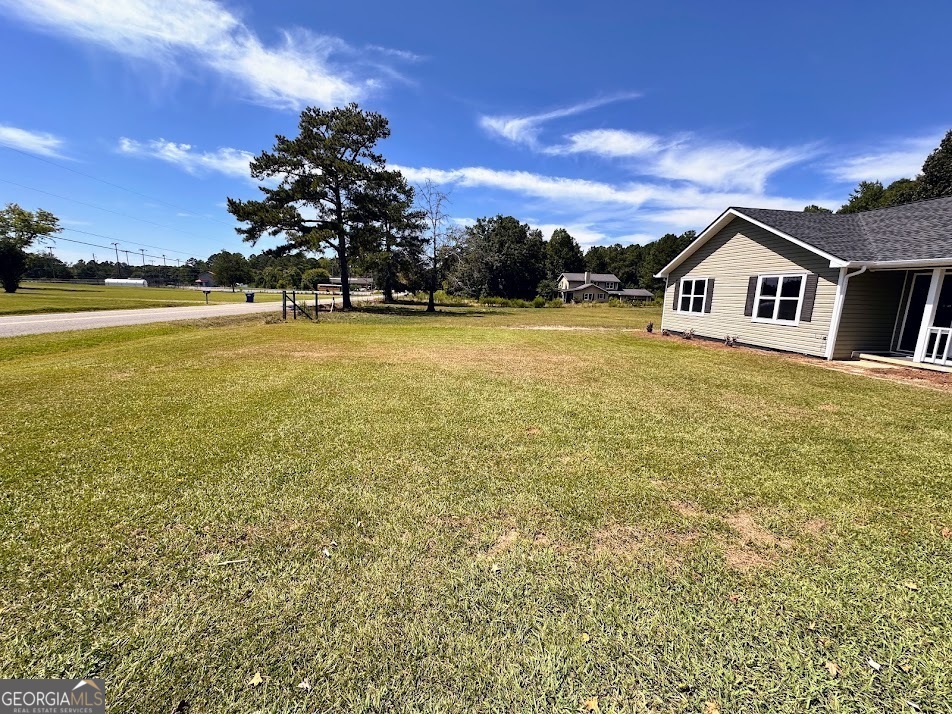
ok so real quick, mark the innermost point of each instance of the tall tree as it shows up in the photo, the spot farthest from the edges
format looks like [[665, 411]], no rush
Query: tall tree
[[899, 192], [622, 260], [866, 196], [321, 171], [813, 208], [563, 254], [20, 229], [230, 268], [500, 257], [433, 203], [390, 241], [658, 254], [936, 178]]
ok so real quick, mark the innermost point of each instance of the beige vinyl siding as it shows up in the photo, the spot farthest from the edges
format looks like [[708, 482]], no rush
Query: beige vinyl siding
[[731, 256], [869, 313]]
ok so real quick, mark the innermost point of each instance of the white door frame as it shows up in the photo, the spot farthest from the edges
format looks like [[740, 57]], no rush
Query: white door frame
[[928, 315]]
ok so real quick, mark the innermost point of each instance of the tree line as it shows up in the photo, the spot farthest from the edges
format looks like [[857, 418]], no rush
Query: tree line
[[933, 181], [335, 207]]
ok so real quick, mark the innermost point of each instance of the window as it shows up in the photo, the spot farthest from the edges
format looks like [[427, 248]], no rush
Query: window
[[693, 295], [779, 298]]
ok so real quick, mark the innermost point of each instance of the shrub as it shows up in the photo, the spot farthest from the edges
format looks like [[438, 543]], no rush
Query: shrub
[[12, 266], [555, 303], [539, 301], [493, 301]]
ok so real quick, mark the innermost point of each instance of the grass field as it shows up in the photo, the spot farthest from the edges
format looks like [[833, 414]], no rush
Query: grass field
[[34, 298], [389, 511]]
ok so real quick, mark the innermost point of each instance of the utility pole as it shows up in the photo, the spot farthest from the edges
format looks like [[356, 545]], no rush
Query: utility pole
[[163, 261], [142, 250], [118, 271], [127, 256]]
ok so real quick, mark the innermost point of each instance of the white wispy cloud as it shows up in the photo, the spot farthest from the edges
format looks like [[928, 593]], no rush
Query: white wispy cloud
[[607, 212], [531, 184], [610, 143], [303, 68], [34, 142], [900, 158], [727, 165], [685, 157], [525, 129], [227, 161]]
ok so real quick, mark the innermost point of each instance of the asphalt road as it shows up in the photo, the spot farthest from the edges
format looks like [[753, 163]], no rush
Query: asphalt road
[[14, 325]]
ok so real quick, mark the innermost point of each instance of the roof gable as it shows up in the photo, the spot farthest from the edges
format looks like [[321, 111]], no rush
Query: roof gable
[[920, 231]]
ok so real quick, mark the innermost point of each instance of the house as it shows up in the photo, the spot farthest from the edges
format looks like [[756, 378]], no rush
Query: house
[[355, 283], [595, 287], [829, 285], [206, 279]]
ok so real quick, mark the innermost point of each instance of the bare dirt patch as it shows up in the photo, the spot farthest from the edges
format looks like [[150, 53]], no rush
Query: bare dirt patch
[[816, 526], [743, 559], [618, 539], [753, 533], [687, 510], [506, 541]]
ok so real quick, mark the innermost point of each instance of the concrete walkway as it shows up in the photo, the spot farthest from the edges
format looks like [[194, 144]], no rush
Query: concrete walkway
[[14, 325]]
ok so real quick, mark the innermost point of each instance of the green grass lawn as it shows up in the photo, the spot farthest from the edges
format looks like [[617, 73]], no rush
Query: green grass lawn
[[389, 511], [33, 298]]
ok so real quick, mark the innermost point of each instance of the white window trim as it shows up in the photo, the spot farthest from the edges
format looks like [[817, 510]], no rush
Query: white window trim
[[681, 295], [781, 276]]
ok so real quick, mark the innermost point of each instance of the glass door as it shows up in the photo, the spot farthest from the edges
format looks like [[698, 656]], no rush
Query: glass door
[[915, 306]]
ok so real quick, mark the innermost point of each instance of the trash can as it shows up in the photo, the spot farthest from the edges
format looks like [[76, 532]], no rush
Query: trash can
[[249, 297]]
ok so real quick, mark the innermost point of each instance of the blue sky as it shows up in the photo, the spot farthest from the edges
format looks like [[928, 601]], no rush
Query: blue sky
[[618, 120]]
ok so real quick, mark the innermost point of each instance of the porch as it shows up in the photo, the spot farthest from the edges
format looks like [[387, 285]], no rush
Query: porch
[[898, 360], [903, 316]]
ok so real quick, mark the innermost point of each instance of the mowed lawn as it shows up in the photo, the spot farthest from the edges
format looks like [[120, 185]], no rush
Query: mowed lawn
[[393, 512], [33, 298]]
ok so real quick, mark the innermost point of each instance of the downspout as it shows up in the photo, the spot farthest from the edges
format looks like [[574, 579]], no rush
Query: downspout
[[838, 308]]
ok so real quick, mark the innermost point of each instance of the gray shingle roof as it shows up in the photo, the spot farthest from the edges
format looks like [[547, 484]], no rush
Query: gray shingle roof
[[634, 292], [593, 277], [915, 231]]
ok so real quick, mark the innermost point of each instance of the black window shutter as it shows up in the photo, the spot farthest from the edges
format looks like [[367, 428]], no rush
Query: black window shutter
[[809, 298], [677, 293], [710, 295], [751, 293]]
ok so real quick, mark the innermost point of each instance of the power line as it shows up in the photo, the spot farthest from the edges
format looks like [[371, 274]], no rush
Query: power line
[[100, 208], [107, 247], [130, 242], [114, 185]]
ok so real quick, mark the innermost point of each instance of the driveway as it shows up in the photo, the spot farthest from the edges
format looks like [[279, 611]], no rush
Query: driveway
[[14, 325]]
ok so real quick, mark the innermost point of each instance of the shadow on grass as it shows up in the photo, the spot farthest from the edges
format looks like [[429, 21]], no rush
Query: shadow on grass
[[411, 309], [92, 290]]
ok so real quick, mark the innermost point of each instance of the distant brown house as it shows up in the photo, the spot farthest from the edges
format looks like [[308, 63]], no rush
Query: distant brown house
[[597, 287], [206, 279]]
